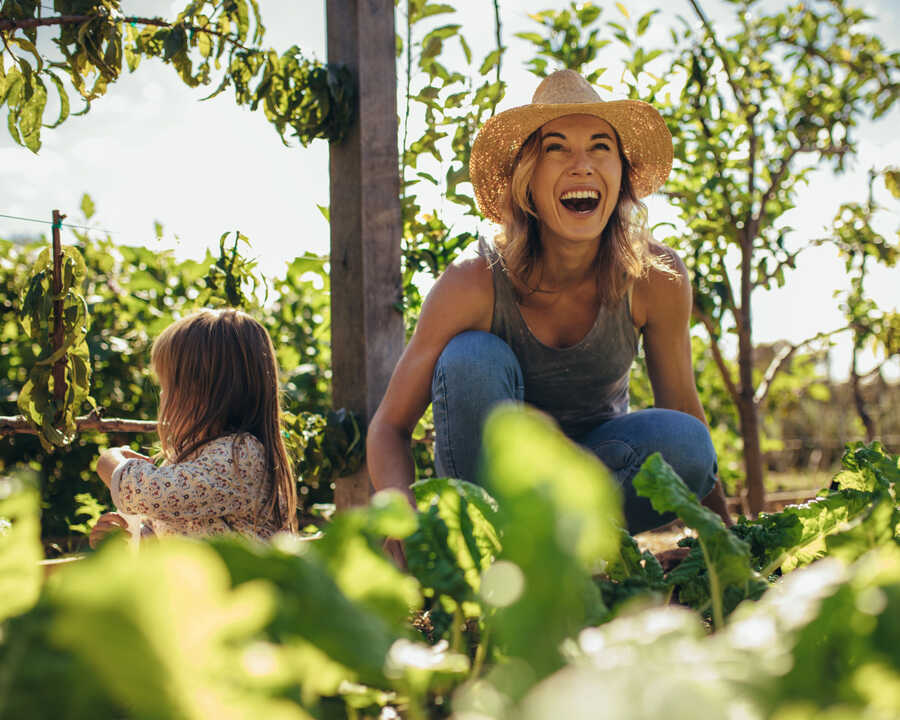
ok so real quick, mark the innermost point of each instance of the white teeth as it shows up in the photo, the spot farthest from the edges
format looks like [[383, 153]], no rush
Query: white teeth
[[580, 195]]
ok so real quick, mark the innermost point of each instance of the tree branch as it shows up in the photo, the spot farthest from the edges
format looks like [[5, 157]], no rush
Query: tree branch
[[77, 19], [783, 167], [782, 356], [499, 39], [717, 354], [738, 95], [790, 262], [18, 425]]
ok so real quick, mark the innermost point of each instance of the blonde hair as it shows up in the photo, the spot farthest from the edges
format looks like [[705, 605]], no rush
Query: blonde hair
[[219, 376], [624, 252]]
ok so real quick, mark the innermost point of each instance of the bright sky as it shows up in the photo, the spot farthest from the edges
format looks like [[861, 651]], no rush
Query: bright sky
[[150, 151]]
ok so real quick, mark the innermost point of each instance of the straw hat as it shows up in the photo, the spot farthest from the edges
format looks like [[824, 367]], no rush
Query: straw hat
[[645, 139]]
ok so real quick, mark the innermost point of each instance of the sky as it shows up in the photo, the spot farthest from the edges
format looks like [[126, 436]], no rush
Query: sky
[[149, 151]]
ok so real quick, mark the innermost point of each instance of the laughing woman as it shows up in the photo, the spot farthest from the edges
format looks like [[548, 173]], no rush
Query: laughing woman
[[552, 313]]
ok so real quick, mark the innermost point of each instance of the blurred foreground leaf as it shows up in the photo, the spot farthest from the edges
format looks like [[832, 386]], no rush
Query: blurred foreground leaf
[[559, 520], [20, 547]]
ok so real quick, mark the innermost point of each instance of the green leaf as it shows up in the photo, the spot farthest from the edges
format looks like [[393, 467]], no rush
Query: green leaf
[[868, 468], [623, 10], [64, 108], [27, 46], [490, 61], [872, 530], [467, 51], [433, 562], [531, 37], [351, 551], [310, 606], [20, 546], [796, 536], [30, 116], [326, 213], [469, 513], [892, 182], [171, 624], [644, 22], [87, 206], [559, 520], [175, 42], [436, 9], [727, 556]]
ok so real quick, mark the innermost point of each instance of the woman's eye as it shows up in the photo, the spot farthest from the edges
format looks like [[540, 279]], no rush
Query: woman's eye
[[601, 146], [553, 146]]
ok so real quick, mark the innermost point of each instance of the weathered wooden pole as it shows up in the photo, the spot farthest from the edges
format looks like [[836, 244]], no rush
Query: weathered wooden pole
[[366, 328], [59, 367]]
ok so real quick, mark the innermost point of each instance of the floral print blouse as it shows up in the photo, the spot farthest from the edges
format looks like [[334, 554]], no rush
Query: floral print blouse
[[207, 494]]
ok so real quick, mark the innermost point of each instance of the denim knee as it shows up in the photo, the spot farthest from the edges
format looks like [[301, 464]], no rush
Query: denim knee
[[695, 457], [475, 372], [474, 358]]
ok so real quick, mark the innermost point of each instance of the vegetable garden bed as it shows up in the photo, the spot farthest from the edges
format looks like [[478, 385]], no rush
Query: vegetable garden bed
[[527, 602]]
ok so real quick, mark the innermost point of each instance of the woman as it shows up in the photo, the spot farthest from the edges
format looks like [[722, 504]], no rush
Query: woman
[[552, 314]]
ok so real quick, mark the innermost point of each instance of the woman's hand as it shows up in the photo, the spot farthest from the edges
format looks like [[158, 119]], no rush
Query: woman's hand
[[108, 523]]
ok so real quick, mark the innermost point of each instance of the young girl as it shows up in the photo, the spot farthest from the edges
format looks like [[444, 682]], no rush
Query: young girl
[[226, 468]]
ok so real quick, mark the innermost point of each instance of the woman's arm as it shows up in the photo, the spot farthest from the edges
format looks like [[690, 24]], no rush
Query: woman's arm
[[462, 299], [665, 303]]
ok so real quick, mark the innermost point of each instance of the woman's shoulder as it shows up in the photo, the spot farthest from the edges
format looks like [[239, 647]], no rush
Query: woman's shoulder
[[666, 285], [468, 276], [462, 298]]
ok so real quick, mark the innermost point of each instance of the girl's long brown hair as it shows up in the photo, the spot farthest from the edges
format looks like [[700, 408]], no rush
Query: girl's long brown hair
[[219, 376], [624, 253]]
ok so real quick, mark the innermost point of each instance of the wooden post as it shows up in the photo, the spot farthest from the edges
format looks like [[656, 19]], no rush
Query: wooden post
[[59, 367], [367, 333]]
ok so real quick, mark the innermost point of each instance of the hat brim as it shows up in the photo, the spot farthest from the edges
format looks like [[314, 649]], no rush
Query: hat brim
[[646, 143]]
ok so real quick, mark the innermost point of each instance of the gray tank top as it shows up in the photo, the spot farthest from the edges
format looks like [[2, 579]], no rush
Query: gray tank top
[[582, 385]]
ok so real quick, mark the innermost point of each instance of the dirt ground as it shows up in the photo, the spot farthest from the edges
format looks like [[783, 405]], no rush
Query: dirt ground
[[664, 538]]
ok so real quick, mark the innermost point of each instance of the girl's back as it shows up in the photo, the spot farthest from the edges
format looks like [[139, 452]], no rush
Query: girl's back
[[222, 487]]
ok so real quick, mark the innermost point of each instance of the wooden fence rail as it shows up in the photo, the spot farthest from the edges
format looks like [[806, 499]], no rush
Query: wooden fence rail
[[18, 425]]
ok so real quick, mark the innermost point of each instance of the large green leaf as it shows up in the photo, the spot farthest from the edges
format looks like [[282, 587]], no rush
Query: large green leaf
[[469, 514], [875, 528], [310, 605], [727, 557], [20, 547], [559, 520], [351, 551], [796, 535], [168, 636], [868, 467]]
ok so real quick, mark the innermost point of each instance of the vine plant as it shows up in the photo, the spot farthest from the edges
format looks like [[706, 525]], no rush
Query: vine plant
[[48, 410], [449, 106], [207, 38]]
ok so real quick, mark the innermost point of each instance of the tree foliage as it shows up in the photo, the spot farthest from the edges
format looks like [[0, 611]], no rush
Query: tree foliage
[[751, 115], [206, 41]]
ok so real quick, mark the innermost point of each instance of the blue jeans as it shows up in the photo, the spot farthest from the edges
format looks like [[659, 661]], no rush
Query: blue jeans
[[477, 370]]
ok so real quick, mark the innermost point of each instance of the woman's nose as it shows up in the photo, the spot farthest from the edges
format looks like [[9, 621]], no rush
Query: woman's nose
[[581, 163]]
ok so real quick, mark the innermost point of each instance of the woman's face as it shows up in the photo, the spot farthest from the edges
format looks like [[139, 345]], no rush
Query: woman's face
[[575, 185]]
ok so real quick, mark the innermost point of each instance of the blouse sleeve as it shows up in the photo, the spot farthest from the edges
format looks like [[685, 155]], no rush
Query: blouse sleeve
[[207, 486]]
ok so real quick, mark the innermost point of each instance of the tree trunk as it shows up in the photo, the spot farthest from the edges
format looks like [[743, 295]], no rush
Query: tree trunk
[[747, 406], [753, 458], [860, 402]]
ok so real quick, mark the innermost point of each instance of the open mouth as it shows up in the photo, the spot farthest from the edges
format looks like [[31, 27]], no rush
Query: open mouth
[[580, 201]]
